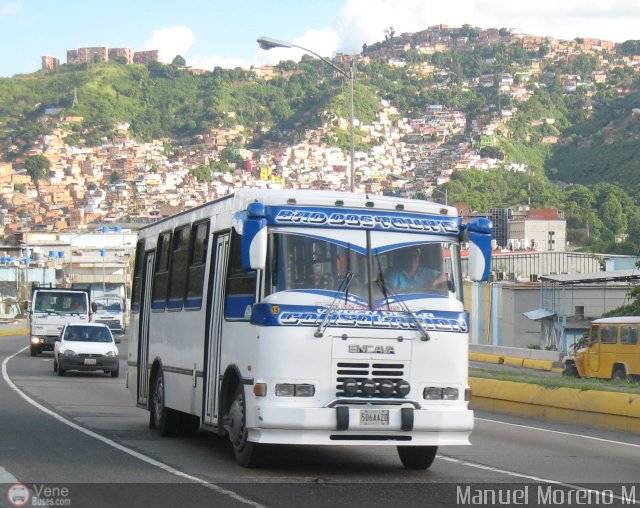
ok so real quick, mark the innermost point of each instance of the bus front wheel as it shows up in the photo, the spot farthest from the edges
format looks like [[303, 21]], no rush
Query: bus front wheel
[[619, 373], [417, 457], [247, 453]]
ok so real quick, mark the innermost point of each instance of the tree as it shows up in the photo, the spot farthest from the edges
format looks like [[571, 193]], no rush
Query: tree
[[202, 173], [38, 167], [179, 61], [389, 32]]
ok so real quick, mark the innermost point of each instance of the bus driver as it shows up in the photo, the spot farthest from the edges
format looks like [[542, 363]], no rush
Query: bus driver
[[411, 274]]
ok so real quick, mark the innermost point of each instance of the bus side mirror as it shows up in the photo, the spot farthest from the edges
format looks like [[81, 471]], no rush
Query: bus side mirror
[[478, 233], [94, 307], [254, 238]]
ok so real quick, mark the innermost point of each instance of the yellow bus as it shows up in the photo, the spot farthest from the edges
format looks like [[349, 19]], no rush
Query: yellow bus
[[611, 350]]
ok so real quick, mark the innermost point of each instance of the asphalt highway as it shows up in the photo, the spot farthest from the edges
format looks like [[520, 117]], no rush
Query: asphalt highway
[[83, 433]]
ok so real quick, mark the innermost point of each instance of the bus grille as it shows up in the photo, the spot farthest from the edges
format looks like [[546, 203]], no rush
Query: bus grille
[[361, 371]]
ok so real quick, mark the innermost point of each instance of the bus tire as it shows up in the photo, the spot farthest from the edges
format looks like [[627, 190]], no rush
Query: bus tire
[[34, 351], [247, 453], [417, 457], [619, 373], [570, 370], [164, 419]]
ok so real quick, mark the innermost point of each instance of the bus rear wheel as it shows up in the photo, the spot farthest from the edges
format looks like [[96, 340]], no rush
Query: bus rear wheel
[[417, 457], [247, 453], [162, 418]]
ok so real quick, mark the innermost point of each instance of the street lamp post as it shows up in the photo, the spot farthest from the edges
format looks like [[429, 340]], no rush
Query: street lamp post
[[445, 194], [269, 43]]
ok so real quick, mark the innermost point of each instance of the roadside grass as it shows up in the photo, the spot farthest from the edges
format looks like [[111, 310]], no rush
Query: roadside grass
[[553, 380]]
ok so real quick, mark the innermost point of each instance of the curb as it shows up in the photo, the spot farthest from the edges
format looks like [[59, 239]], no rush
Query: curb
[[610, 410], [513, 361], [13, 329]]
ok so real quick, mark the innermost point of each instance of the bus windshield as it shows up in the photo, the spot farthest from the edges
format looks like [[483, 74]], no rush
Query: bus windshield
[[310, 262]]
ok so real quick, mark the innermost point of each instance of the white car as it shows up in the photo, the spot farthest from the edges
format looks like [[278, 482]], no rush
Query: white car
[[86, 347]]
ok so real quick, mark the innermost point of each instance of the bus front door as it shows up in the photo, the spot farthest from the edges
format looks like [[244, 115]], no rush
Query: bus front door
[[217, 275], [143, 332]]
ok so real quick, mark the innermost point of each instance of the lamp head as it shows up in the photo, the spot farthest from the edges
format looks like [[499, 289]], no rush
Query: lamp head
[[270, 43]]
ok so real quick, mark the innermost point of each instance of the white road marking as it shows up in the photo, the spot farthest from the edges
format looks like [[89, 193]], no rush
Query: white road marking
[[241, 499], [7, 477], [117, 446], [584, 436]]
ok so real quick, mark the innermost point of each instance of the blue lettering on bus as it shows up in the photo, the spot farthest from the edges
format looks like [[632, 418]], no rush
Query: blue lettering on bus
[[443, 321], [386, 221]]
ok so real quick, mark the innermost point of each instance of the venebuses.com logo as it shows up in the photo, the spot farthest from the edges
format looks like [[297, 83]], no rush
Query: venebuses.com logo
[[18, 495]]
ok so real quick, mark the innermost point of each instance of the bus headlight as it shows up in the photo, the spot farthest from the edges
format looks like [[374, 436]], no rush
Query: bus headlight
[[432, 393], [437, 393], [386, 387], [449, 394], [295, 390], [35, 340], [368, 387], [350, 386]]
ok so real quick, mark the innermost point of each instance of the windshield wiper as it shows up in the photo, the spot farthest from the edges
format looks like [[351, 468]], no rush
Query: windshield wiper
[[386, 291], [343, 288]]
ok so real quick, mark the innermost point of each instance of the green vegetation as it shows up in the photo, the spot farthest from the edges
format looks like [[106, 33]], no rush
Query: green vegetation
[[552, 380], [580, 149], [38, 166]]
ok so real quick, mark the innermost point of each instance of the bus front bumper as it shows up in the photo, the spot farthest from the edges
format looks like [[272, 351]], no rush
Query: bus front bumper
[[346, 425]]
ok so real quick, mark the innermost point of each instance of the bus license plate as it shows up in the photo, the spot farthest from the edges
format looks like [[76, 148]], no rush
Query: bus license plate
[[89, 361], [374, 417]]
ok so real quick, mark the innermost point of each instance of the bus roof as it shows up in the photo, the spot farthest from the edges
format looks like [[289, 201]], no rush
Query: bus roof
[[617, 320], [240, 199]]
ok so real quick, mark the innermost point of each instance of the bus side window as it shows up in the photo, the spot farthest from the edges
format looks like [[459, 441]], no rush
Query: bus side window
[[593, 334], [197, 265], [241, 283], [629, 335], [161, 272], [608, 334], [136, 290], [179, 261]]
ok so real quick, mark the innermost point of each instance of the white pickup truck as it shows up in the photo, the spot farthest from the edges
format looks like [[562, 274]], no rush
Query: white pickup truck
[[51, 309]]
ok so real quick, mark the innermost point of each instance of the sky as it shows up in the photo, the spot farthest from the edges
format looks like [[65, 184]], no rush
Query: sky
[[210, 33]]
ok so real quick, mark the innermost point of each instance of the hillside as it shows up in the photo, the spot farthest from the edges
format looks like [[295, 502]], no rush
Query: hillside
[[531, 111]]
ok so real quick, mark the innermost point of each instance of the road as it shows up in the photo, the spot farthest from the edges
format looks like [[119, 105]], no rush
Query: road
[[84, 433]]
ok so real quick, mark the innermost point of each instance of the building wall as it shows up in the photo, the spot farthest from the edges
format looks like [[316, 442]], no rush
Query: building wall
[[533, 233], [497, 311]]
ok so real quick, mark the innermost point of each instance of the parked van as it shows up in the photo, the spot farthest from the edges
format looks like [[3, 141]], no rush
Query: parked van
[[610, 350]]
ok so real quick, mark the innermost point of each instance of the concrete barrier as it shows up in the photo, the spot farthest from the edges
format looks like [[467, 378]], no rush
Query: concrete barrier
[[15, 327], [610, 410], [516, 352], [485, 358], [515, 356]]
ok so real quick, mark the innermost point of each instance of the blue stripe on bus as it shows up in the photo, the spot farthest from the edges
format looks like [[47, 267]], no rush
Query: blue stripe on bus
[[193, 303], [157, 305], [175, 304], [236, 306]]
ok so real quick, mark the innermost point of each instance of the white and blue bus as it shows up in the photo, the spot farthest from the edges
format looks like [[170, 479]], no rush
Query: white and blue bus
[[307, 318]]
